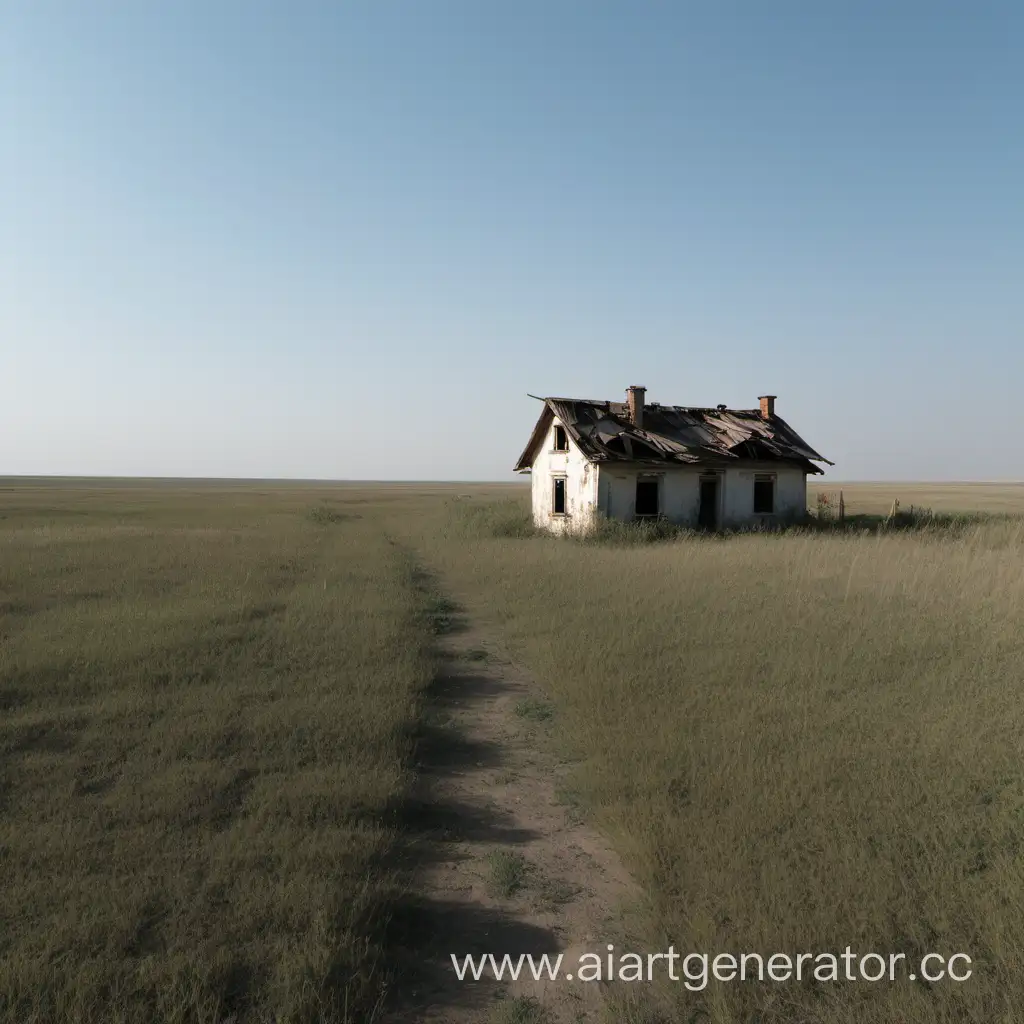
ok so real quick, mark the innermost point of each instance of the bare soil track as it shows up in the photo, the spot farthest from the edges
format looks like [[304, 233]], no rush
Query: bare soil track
[[501, 866]]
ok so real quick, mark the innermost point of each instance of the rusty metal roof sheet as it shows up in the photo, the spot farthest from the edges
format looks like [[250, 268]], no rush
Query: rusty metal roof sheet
[[671, 434]]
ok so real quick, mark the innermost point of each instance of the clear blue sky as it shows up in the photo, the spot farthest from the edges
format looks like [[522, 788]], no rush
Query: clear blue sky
[[301, 239]]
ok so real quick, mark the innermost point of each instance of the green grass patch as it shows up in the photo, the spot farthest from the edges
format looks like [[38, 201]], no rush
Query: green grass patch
[[509, 873], [326, 514], [535, 710]]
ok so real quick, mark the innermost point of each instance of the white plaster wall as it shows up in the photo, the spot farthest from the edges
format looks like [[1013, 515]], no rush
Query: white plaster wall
[[790, 494], [611, 488], [679, 496], [580, 486], [680, 493]]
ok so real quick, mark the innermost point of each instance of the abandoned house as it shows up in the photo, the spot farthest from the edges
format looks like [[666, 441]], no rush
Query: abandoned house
[[709, 468]]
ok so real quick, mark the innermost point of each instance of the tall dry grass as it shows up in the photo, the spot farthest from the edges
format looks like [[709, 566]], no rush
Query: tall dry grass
[[799, 742]]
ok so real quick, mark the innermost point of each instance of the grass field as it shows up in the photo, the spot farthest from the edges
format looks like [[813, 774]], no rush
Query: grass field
[[798, 742], [877, 498], [207, 701]]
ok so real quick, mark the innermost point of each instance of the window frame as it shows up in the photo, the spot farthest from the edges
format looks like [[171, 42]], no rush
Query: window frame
[[764, 478], [555, 478], [554, 439], [650, 478]]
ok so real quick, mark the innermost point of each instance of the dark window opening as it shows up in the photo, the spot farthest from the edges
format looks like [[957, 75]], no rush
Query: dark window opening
[[558, 503], [764, 496], [561, 440], [707, 516], [646, 497]]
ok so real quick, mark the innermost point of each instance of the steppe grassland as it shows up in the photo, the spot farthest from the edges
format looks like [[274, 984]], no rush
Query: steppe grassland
[[208, 696], [799, 742], [877, 498]]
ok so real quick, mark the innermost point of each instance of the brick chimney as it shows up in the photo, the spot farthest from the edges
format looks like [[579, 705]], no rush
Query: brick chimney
[[635, 401], [767, 406]]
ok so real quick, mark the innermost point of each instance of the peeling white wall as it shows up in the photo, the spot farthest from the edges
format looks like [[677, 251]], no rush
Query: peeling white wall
[[580, 486], [611, 488]]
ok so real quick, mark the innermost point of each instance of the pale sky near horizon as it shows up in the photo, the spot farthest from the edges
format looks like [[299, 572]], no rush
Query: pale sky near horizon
[[344, 240]]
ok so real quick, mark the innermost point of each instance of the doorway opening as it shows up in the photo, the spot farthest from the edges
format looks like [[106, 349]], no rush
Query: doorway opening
[[707, 515]]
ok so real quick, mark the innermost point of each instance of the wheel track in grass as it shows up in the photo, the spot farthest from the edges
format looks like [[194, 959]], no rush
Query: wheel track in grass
[[499, 865]]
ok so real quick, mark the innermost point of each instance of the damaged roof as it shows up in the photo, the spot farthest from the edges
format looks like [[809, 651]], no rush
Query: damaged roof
[[604, 432]]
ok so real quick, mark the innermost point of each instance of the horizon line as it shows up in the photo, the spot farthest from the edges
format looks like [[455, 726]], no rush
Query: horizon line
[[34, 477]]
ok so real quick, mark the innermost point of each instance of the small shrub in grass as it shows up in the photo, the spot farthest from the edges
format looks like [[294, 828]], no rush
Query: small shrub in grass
[[508, 872], [534, 710], [325, 515]]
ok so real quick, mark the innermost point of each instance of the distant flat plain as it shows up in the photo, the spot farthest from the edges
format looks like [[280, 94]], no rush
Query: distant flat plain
[[875, 498], [211, 690]]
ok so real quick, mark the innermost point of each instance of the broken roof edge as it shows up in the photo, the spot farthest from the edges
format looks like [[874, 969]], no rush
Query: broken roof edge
[[525, 461], [724, 460], [804, 458], [610, 402]]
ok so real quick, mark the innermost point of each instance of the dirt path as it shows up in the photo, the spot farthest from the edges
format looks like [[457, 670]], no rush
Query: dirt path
[[502, 865]]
